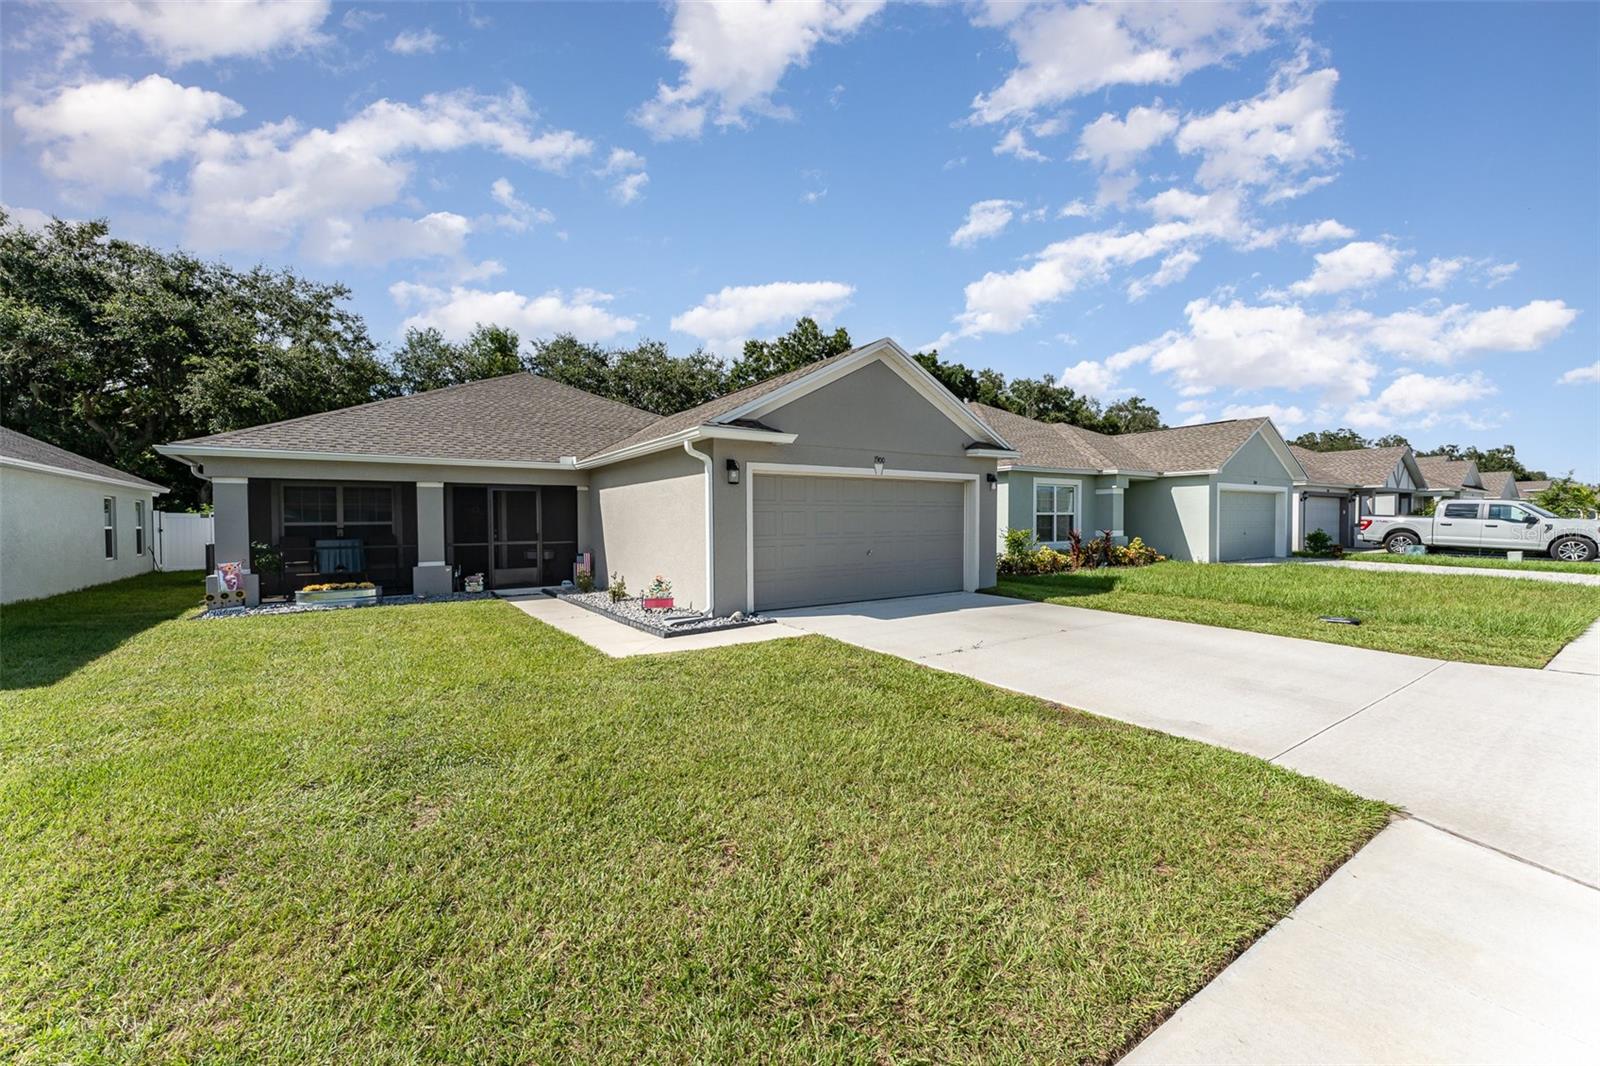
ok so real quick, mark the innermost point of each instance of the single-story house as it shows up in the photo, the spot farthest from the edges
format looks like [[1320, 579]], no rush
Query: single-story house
[[856, 477], [1451, 478], [67, 522], [1217, 491], [1342, 487], [1527, 490], [1500, 484]]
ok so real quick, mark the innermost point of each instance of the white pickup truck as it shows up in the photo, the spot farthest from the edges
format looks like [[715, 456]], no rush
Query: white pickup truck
[[1487, 525]]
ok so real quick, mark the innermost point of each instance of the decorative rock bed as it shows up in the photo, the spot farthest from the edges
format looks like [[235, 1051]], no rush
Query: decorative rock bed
[[304, 608], [673, 622]]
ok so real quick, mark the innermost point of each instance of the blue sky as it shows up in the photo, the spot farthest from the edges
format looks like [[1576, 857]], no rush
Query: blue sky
[[1372, 215]]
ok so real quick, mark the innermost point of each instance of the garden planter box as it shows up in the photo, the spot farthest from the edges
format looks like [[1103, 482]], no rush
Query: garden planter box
[[339, 596], [657, 603]]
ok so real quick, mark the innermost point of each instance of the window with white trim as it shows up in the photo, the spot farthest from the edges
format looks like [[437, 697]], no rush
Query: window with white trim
[[1055, 511], [109, 510], [138, 527]]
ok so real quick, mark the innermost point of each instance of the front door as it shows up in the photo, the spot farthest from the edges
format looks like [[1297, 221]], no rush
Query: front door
[[514, 550]]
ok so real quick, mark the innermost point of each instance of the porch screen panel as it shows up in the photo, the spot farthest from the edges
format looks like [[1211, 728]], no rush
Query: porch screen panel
[[310, 511], [467, 542]]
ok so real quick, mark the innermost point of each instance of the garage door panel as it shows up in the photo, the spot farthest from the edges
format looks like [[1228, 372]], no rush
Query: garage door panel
[[1322, 512], [1247, 525], [828, 540]]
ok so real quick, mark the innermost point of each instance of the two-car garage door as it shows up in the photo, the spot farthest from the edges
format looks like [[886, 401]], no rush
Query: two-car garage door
[[1247, 524], [835, 539]]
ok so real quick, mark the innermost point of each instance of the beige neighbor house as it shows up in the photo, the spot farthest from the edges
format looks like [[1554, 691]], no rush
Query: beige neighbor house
[[1219, 491], [856, 477], [1500, 484], [1342, 487], [67, 522]]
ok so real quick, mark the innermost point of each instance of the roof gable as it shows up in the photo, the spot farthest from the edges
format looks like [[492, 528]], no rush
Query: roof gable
[[1356, 467]]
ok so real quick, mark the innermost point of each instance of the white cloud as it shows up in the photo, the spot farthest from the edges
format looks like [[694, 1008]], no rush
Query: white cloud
[[415, 42], [454, 312], [627, 167], [1266, 140], [1113, 143], [1090, 378], [1581, 375], [1063, 52], [441, 234], [1500, 272], [1174, 268], [1336, 354], [29, 218], [986, 218], [268, 186], [1357, 265], [735, 55], [1322, 232], [1013, 142], [112, 135], [723, 320], [1282, 417], [1438, 273], [207, 29], [1419, 400], [1075, 209], [519, 215]]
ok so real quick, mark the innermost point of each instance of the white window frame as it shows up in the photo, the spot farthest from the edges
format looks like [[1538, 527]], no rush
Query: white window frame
[[108, 528], [138, 527], [1076, 512]]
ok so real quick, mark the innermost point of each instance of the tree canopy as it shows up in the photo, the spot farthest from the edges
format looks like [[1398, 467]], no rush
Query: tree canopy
[[108, 348], [1568, 498], [1041, 398]]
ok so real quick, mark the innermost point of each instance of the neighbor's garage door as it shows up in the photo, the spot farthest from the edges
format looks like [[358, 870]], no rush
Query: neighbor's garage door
[[835, 539], [1322, 512], [1246, 521]]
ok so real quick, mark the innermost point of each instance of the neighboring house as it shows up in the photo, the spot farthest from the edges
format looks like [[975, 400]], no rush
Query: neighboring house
[[1343, 486], [856, 477], [67, 522], [1217, 491], [1500, 484], [1450, 478], [1527, 490]]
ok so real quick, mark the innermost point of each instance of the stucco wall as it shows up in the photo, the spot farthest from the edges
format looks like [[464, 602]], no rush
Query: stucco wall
[[1094, 508], [1255, 464], [847, 423], [647, 517], [51, 534], [1172, 515]]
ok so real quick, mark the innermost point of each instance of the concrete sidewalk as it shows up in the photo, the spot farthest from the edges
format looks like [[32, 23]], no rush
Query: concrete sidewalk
[[1559, 577], [1469, 932], [620, 641]]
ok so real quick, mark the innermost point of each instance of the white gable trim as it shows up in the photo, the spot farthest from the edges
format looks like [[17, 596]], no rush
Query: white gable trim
[[895, 358], [82, 475]]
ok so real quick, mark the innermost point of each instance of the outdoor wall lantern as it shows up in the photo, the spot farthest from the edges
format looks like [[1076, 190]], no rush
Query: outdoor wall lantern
[[994, 482], [733, 471], [877, 464]]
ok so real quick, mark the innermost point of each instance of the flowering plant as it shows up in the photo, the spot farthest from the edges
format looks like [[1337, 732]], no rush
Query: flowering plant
[[339, 586], [659, 589]]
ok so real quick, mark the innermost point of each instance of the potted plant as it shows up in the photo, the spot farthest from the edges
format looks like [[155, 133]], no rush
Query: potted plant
[[339, 592], [658, 597]]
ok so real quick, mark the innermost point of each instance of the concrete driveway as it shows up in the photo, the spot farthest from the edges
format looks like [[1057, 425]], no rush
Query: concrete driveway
[[1419, 947]]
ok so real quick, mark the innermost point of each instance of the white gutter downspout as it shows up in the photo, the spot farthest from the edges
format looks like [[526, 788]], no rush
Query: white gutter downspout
[[711, 580]]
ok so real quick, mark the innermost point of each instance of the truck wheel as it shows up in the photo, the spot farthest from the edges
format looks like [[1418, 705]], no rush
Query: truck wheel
[[1397, 543], [1572, 550]]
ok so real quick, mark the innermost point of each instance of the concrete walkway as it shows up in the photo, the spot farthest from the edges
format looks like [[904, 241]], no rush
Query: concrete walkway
[[1559, 577], [620, 641], [1493, 874]]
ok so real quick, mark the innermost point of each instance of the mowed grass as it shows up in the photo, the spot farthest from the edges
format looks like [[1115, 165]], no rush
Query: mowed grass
[[1483, 562], [1468, 619], [450, 833]]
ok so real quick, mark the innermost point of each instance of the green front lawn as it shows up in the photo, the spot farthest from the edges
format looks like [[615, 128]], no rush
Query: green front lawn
[[1469, 619], [1483, 562], [452, 834]]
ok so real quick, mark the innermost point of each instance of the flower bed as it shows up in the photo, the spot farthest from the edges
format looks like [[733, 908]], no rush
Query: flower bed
[[302, 608], [673, 622], [344, 592]]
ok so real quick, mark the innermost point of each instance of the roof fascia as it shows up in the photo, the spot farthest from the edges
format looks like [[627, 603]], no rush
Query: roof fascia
[[219, 452], [83, 475], [674, 440]]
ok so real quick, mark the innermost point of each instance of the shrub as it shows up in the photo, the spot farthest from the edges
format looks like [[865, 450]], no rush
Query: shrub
[[584, 580], [264, 558], [1318, 542], [1135, 553], [618, 587]]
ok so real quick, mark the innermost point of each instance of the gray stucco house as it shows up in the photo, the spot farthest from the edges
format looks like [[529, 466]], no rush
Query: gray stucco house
[[859, 476], [1341, 487], [68, 522], [1212, 492]]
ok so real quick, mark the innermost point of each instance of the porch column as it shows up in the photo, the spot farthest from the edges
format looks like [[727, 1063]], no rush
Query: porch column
[[431, 576], [230, 500], [583, 523], [1108, 508]]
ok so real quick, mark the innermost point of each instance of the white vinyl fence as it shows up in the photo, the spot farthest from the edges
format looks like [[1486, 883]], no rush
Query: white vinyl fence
[[181, 540]]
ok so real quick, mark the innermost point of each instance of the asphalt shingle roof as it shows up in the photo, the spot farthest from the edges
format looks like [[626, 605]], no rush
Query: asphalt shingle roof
[[1362, 467], [1496, 481], [1532, 488], [515, 418], [14, 445], [1056, 444], [1442, 473]]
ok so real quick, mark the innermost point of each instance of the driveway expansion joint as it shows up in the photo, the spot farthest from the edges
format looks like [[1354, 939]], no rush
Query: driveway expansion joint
[[1333, 725]]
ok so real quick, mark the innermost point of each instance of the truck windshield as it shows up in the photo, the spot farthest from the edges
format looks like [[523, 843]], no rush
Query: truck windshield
[[1536, 509]]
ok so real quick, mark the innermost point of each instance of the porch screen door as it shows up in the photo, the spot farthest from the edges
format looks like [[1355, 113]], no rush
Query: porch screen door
[[516, 548]]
